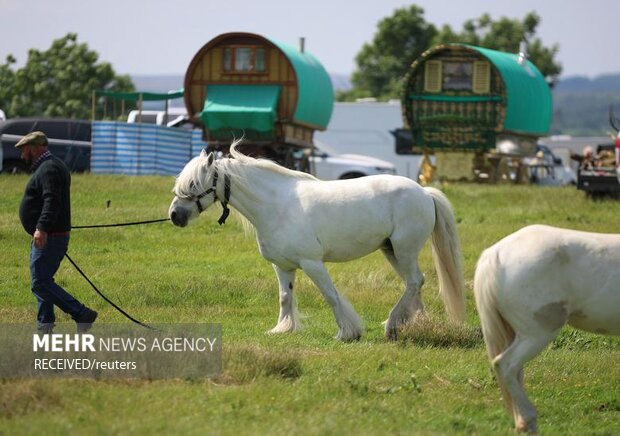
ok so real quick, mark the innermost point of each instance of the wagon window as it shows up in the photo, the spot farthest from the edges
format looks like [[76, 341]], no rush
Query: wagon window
[[244, 60], [457, 76], [227, 59], [259, 59]]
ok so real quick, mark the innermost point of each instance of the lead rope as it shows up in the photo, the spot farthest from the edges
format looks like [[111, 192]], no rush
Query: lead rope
[[135, 223], [221, 220], [106, 298]]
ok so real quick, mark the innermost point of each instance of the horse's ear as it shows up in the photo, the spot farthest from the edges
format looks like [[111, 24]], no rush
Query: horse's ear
[[209, 156]]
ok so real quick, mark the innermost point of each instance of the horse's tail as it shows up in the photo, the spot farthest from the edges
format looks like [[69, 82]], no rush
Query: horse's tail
[[498, 334], [447, 257]]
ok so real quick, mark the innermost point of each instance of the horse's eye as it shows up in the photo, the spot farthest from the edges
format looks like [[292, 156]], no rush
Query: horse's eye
[[192, 185]]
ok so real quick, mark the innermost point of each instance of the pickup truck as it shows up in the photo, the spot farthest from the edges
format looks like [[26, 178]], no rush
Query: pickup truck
[[599, 181]]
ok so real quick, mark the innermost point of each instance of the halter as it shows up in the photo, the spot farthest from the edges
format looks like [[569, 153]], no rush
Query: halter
[[212, 189]]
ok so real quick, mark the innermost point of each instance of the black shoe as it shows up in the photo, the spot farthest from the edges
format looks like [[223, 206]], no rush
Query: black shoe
[[85, 320]]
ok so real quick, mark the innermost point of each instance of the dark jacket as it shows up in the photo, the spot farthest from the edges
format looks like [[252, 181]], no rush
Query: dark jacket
[[46, 204]]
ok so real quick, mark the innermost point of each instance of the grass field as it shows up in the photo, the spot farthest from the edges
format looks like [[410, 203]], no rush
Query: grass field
[[433, 380]]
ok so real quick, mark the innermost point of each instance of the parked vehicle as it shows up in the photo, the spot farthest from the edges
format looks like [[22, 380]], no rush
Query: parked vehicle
[[602, 177], [326, 164], [371, 129], [169, 118], [598, 181], [69, 139], [545, 168]]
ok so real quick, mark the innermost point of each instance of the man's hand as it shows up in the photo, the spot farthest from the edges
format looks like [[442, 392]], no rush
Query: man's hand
[[40, 238]]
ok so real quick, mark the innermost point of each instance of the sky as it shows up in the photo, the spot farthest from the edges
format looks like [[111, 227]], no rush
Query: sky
[[156, 37]]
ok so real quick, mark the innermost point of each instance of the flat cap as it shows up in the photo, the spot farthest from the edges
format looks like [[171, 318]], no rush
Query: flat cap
[[32, 138]]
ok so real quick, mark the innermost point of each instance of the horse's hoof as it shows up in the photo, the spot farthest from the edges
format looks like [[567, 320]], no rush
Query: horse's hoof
[[525, 427], [352, 338], [391, 334]]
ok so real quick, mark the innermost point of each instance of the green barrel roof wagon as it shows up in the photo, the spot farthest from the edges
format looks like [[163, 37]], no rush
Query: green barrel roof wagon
[[462, 97], [272, 94]]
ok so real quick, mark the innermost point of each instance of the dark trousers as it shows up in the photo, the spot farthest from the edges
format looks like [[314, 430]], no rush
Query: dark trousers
[[44, 262]]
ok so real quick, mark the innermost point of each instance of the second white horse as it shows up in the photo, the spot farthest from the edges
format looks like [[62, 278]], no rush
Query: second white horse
[[532, 283]]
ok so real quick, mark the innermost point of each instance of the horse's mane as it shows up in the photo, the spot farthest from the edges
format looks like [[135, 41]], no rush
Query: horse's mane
[[266, 164], [191, 178]]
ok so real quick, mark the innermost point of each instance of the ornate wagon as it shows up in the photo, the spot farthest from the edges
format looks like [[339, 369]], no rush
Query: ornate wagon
[[461, 102], [272, 94]]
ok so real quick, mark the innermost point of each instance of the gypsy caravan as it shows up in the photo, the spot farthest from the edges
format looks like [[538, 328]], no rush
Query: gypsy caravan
[[471, 106], [272, 94]]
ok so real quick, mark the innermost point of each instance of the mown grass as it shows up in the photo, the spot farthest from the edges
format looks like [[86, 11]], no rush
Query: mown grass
[[434, 380]]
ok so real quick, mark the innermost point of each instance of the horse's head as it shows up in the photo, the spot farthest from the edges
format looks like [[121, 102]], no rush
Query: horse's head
[[194, 190]]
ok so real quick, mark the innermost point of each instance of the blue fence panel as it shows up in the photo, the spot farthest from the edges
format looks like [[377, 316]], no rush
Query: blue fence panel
[[197, 143], [139, 149]]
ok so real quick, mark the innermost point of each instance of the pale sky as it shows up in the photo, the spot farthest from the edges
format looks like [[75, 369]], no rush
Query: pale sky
[[162, 36]]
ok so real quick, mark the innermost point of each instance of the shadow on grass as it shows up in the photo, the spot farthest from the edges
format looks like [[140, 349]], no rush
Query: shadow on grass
[[431, 331]]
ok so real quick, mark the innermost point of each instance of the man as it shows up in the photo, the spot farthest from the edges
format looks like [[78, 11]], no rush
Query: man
[[45, 213]]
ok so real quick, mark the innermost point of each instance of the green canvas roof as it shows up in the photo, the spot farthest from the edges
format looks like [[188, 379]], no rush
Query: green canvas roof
[[243, 107], [315, 100], [529, 104]]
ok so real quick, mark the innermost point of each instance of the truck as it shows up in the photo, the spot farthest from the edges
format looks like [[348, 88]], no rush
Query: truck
[[600, 180], [603, 178]]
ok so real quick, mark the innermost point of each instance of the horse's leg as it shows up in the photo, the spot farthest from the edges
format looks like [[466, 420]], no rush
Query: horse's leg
[[349, 323], [288, 320], [405, 263], [509, 369]]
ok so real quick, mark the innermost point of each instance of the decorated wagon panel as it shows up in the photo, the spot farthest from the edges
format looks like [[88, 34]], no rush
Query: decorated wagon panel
[[461, 97]]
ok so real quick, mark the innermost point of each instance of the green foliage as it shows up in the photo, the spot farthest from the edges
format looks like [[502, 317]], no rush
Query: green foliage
[[382, 64], [435, 380], [57, 82], [7, 82], [505, 35], [401, 38]]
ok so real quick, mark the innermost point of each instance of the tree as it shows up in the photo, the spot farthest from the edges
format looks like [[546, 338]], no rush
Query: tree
[[403, 37], [506, 35], [57, 82], [382, 64], [7, 82]]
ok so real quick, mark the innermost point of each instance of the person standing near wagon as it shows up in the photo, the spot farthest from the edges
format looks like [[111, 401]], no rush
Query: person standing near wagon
[[45, 213]]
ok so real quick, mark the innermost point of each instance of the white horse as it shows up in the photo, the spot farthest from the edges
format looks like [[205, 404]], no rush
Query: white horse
[[532, 283], [302, 222]]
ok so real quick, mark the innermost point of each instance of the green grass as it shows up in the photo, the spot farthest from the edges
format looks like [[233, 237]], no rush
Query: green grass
[[434, 380]]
